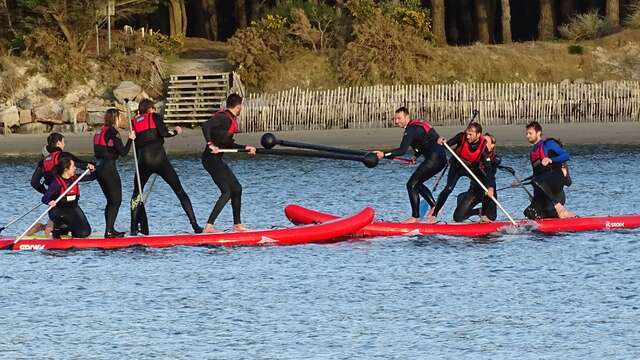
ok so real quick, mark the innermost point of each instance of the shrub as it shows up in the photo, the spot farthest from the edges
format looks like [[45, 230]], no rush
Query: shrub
[[383, 51], [586, 26], [413, 16], [633, 19], [11, 82], [257, 49], [575, 49]]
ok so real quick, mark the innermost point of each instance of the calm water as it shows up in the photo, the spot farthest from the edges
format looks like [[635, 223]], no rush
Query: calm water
[[572, 296]]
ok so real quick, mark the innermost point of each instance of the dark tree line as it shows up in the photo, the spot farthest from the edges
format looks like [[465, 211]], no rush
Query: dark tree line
[[456, 22]]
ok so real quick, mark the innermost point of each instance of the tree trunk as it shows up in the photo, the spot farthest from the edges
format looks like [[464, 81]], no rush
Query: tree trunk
[[211, 26], [613, 12], [506, 21], [546, 23], [567, 10], [438, 14], [339, 6], [465, 29], [253, 10], [241, 13], [482, 13], [68, 34], [177, 18]]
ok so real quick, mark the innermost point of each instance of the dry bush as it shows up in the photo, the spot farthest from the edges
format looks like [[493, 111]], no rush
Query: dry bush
[[586, 27], [383, 51], [10, 80], [258, 49], [633, 19]]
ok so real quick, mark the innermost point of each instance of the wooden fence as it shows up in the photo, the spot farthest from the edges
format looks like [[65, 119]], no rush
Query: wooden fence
[[451, 104]]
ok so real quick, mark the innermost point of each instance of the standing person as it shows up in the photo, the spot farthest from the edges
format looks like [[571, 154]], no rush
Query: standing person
[[548, 160], [107, 147], [422, 138], [66, 215], [470, 147], [218, 132], [475, 195], [150, 131]]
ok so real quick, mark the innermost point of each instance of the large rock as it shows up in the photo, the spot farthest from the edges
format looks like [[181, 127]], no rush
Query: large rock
[[50, 112], [96, 115], [33, 128], [69, 128], [127, 90], [10, 117], [77, 94], [26, 117]]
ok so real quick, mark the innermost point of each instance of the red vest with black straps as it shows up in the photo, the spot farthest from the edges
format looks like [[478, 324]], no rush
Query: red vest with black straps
[[421, 123], [73, 194], [142, 123], [464, 150], [50, 162], [233, 127], [537, 153], [99, 137]]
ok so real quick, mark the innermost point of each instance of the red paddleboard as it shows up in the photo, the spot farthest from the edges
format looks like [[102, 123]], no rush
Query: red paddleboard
[[314, 233], [300, 215]]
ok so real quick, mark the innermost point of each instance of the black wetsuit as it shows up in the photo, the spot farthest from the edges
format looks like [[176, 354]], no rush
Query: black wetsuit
[[67, 216], [152, 159], [107, 152], [475, 195], [548, 181], [486, 174], [41, 179], [216, 132], [423, 143]]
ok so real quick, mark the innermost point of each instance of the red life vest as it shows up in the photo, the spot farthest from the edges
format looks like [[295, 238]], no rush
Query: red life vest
[[421, 123], [233, 127], [99, 137], [464, 150], [73, 194], [142, 123], [537, 153], [50, 162]]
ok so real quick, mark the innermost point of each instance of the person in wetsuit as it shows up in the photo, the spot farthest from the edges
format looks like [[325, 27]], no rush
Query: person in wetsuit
[[150, 131], [107, 147], [470, 146], [548, 159], [218, 133], [422, 138], [44, 172], [475, 195], [66, 215]]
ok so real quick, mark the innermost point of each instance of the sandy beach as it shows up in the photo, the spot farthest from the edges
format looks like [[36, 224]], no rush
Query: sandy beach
[[624, 133]]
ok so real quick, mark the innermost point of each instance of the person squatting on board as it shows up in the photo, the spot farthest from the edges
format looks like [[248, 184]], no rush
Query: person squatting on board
[[475, 195], [422, 138], [44, 172], [150, 131], [550, 176], [470, 146], [218, 133], [66, 214], [107, 148]]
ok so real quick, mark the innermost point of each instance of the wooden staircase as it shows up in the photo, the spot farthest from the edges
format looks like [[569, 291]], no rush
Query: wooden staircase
[[193, 98]]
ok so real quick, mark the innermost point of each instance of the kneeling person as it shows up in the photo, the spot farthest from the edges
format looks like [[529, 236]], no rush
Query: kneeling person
[[547, 160], [66, 214]]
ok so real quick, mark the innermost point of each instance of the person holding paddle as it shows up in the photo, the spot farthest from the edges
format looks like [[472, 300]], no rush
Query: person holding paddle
[[470, 146], [548, 160], [107, 147], [218, 133], [150, 131], [66, 215], [475, 195], [422, 138]]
